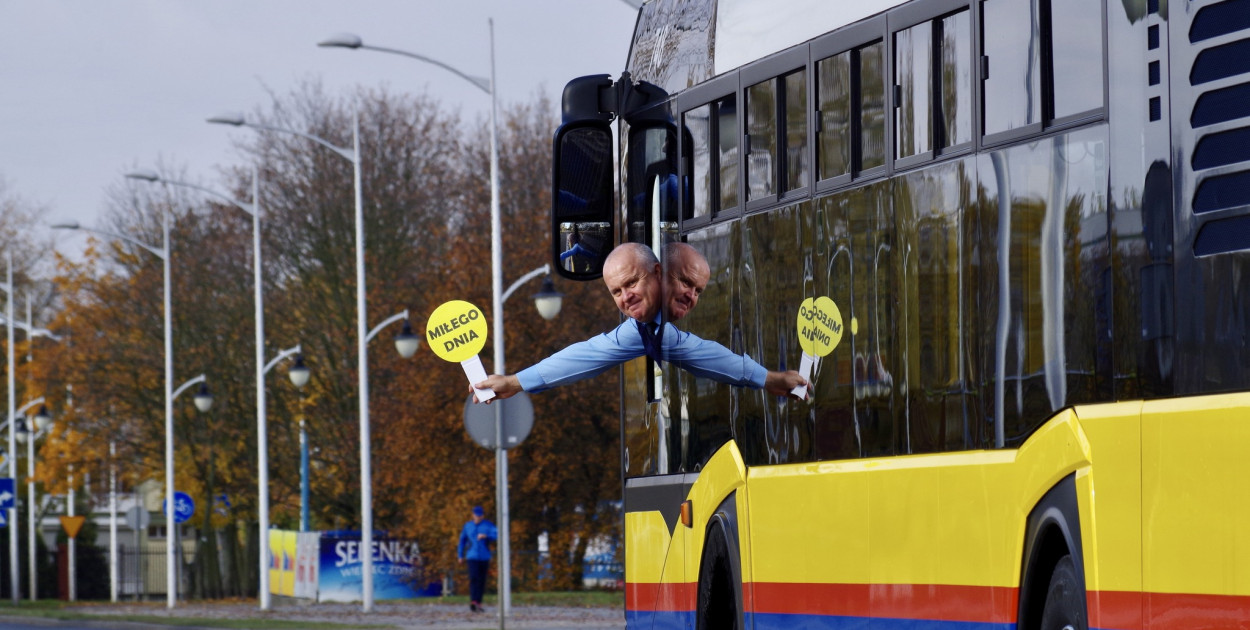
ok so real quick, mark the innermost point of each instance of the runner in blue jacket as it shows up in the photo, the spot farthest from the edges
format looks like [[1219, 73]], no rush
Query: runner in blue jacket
[[474, 546]]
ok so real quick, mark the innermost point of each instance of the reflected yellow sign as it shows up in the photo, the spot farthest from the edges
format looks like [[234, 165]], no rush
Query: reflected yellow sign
[[820, 326]]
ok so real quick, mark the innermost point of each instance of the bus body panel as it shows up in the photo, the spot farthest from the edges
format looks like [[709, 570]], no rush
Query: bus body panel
[[1109, 498], [920, 538], [1196, 510]]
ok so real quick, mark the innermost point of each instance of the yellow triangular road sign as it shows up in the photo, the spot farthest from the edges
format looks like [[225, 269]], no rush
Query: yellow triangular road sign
[[72, 524]]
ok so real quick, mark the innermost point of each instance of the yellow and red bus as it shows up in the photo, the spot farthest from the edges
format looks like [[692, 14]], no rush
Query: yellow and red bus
[[1034, 219]]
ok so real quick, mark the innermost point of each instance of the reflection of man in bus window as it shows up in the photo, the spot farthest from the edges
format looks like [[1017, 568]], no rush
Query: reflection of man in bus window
[[633, 276]]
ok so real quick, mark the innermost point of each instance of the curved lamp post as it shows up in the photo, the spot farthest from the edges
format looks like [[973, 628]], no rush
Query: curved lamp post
[[162, 253], [488, 86], [362, 354], [31, 332], [7, 287], [352, 155], [262, 422], [42, 424]]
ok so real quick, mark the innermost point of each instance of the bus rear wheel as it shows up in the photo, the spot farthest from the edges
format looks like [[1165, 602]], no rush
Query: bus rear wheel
[[718, 606], [1065, 601]]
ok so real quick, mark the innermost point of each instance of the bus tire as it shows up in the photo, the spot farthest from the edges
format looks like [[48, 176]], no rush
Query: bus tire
[[1065, 600], [718, 603]]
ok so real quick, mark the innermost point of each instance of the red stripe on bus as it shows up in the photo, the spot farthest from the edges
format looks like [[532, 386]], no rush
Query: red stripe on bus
[[1180, 611], [989, 604], [1114, 609], [650, 596], [1123, 610]]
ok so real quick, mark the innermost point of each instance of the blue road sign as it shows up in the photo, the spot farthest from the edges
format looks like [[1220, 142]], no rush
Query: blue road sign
[[8, 493], [184, 506]]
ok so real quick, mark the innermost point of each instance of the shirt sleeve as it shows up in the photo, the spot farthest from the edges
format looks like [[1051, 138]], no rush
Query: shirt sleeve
[[584, 359], [709, 359]]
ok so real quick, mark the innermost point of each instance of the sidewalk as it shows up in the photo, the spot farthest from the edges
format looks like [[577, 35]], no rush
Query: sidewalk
[[395, 615]]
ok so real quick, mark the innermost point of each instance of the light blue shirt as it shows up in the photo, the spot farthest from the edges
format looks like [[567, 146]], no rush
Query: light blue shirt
[[584, 359]]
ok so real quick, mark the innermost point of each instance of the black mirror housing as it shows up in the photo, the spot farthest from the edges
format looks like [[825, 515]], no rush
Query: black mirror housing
[[582, 200]]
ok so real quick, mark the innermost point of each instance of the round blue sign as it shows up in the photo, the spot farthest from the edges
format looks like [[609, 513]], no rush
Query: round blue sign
[[184, 506]]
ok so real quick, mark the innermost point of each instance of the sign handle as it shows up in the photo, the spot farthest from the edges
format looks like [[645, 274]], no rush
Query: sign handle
[[476, 373], [805, 370]]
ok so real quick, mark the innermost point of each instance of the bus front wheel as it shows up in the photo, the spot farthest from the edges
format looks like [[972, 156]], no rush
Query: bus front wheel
[[718, 606], [1065, 608]]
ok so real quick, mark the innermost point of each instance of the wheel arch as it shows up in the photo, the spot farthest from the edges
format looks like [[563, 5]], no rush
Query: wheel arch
[[1053, 530], [724, 521]]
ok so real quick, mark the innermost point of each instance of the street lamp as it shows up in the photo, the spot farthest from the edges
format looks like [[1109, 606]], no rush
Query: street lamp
[[42, 423], [299, 375], [548, 301], [7, 287], [362, 354], [162, 253], [31, 332], [262, 423], [496, 258]]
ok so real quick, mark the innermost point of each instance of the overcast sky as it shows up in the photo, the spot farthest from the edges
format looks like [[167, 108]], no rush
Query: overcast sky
[[90, 89]]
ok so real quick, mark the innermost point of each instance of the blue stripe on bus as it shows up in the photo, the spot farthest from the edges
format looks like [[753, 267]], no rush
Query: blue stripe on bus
[[659, 620], [768, 621]]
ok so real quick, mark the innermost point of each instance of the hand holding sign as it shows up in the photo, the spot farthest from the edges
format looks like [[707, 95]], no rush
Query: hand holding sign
[[456, 332], [820, 331]]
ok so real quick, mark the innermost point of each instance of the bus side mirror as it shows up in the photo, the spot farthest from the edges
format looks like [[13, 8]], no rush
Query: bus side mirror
[[582, 203]]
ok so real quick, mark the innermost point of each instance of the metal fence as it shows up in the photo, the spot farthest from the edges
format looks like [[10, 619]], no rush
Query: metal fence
[[141, 575]]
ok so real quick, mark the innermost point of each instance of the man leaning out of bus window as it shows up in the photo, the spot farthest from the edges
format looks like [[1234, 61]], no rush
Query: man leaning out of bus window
[[639, 287]]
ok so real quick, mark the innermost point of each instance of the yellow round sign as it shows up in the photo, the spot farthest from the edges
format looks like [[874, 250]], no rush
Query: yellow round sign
[[456, 330], [820, 326]]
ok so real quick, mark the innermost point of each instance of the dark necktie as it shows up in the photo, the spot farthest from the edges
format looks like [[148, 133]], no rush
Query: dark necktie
[[650, 340]]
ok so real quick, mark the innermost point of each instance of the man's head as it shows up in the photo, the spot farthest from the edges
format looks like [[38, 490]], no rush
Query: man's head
[[686, 275], [632, 275], [478, 513]]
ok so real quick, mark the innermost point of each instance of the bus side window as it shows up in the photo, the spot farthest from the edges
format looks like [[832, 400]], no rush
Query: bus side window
[[1075, 56], [871, 103], [954, 103], [850, 95], [699, 160], [727, 142], [798, 171], [1042, 63], [912, 81], [710, 159], [761, 147], [1010, 70], [833, 96], [933, 86]]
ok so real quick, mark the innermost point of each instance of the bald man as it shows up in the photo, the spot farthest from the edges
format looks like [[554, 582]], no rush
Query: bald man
[[634, 277]]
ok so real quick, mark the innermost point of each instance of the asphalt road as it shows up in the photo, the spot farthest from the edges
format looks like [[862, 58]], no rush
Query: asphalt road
[[405, 616]]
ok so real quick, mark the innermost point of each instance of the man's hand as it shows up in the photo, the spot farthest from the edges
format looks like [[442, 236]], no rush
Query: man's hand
[[504, 386], [780, 383]]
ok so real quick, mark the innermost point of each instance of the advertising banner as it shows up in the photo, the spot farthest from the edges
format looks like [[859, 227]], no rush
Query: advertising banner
[[307, 559], [275, 561], [396, 569]]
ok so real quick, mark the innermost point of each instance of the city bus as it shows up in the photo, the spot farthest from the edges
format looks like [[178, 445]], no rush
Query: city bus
[[1033, 219]]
